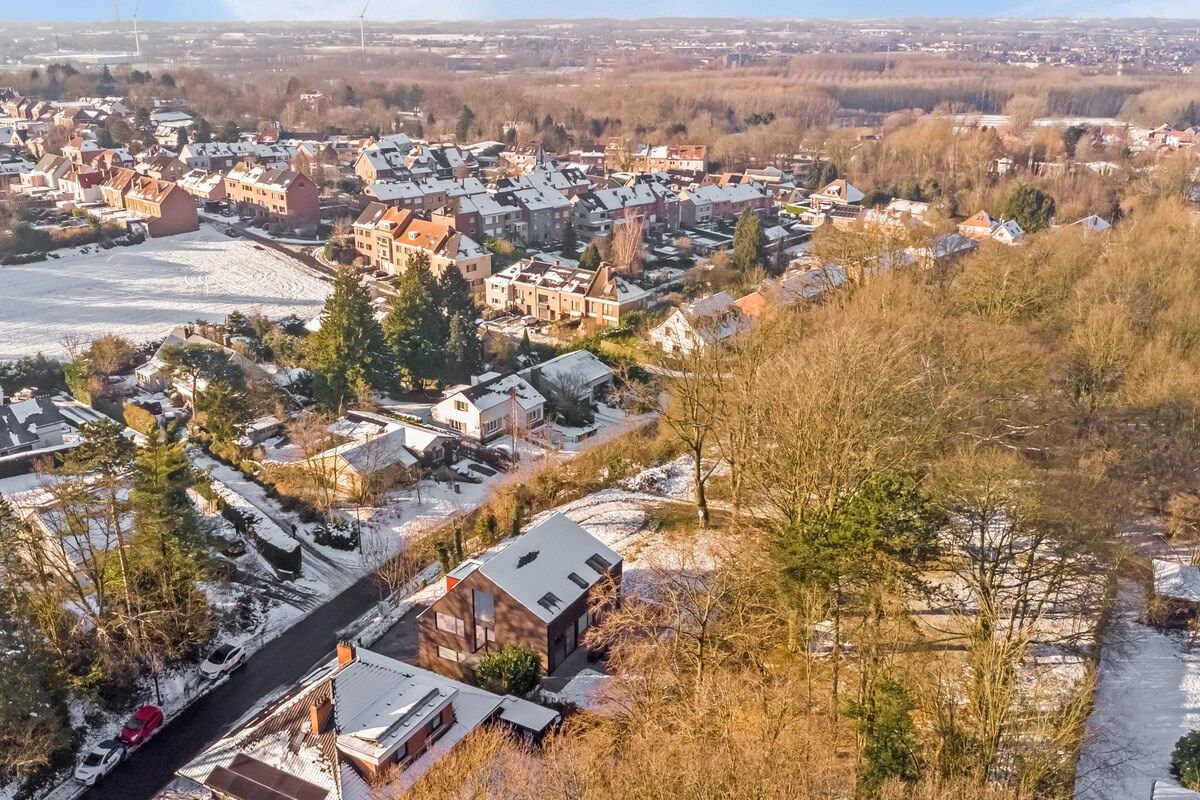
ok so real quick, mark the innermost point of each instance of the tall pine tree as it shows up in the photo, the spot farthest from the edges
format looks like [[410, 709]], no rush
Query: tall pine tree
[[749, 242], [464, 350], [349, 352], [414, 327]]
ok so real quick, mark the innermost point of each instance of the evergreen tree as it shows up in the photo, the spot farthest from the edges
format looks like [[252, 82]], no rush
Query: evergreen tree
[[590, 257], [462, 130], [349, 349], [223, 412], [453, 295], [1032, 208], [749, 242], [464, 350], [414, 328], [525, 348], [570, 240], [175, 616]]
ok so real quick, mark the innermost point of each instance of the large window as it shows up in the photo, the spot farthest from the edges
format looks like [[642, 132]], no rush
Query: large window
[[451, 624], [485, 606]]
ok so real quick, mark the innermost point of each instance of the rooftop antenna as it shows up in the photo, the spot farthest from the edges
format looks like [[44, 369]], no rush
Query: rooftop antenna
[[136, 39], [362, 31]]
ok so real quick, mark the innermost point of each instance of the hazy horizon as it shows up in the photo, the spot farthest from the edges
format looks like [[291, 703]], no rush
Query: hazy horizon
[[481, 10]]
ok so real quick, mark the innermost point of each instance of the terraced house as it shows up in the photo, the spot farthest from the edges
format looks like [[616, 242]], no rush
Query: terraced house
[[388, 237], [275, 195], [552, 292]]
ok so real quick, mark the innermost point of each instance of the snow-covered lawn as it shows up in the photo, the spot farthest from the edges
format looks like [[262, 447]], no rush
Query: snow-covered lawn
[[141, 292]]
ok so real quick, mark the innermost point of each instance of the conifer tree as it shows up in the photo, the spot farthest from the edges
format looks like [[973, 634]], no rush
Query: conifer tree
[[349, 350], [749, 242], [414, 327], [590, 257]]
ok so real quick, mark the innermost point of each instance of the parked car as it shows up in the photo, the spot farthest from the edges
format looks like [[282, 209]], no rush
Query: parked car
[[231, 232], [144, 723], [222, 661], [102, 759]]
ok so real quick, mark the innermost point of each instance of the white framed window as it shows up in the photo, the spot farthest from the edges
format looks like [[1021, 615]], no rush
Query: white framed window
[[450, 624], [451, 654]]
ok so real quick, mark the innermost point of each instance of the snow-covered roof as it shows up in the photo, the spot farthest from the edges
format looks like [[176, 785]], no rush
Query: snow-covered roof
[[1177, 581], [496, 391], [550, 566], [582, 364]]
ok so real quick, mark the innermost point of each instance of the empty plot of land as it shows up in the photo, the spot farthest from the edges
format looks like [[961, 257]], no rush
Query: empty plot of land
[[141, 292]]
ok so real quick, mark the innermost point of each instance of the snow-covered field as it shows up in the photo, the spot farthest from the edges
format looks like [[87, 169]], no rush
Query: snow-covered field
[[141, 292]]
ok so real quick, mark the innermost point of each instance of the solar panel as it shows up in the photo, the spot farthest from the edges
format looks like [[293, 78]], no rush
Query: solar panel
[[247, 778]]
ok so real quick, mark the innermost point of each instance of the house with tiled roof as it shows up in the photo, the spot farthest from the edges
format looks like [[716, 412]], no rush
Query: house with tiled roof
[[660, 158], [163, 208], [710, 202], [384, 160], [387, 237], [202, 185], [838, 193], [356, 725], [543, 590], [274, 194]]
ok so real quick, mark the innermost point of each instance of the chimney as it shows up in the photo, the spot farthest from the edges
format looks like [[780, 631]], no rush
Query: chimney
[[345, 654], [319, 714]]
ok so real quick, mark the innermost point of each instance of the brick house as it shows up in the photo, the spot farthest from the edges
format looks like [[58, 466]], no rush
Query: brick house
[[552, 292], [388, 237], [165, 209], [274, 194], [540, 591]]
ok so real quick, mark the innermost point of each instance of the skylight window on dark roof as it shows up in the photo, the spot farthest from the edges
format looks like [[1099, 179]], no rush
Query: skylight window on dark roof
[[550, 601], [598, 563], [578, 581], [527, 558]]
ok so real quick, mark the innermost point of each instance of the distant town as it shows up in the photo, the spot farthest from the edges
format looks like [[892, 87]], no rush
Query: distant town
[[703, 408]]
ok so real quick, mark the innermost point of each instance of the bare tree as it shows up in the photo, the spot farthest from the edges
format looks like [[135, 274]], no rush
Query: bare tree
[[627, 250]]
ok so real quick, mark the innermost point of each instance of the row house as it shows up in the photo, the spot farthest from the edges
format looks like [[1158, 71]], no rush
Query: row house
[[163, 167], [525, 158], [482, 216], [441, 161], [384, 160], [422, 195], [388, 237], [81, 150], [660, 158], [207, 187], [646, 198], [545, 212], [29, 108], [273, 194], [161, 206], [223, 156], [553, 292], [705, 204], [113, 158], [45, 173], [79, 115], [81, 183], [543, 590]]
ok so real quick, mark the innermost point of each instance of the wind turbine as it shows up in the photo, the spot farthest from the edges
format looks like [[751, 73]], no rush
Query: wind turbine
[[362, 31], [136, 39]]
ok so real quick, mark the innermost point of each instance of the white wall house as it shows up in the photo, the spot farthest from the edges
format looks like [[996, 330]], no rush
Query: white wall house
[[700, 324], [488, 409]]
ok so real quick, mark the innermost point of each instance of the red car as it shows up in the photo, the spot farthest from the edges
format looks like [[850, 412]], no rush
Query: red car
[[144, 723]]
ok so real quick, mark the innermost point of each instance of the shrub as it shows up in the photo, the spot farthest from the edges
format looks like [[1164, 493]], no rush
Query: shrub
[[139, 418], [1185, 760], [513, 669], [338, 535]]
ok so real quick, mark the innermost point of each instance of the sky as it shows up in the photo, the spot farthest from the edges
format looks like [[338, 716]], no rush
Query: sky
[[399, 10]]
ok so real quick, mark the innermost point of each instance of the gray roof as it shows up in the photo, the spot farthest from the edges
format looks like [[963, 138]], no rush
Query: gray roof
[[545, 562], [19, 422]]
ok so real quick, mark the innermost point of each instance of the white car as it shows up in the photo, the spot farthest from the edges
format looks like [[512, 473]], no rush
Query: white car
[[225, 659], [102, 759]]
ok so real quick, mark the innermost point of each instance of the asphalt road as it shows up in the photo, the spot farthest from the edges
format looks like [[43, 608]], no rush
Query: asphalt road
[[280, 662]]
